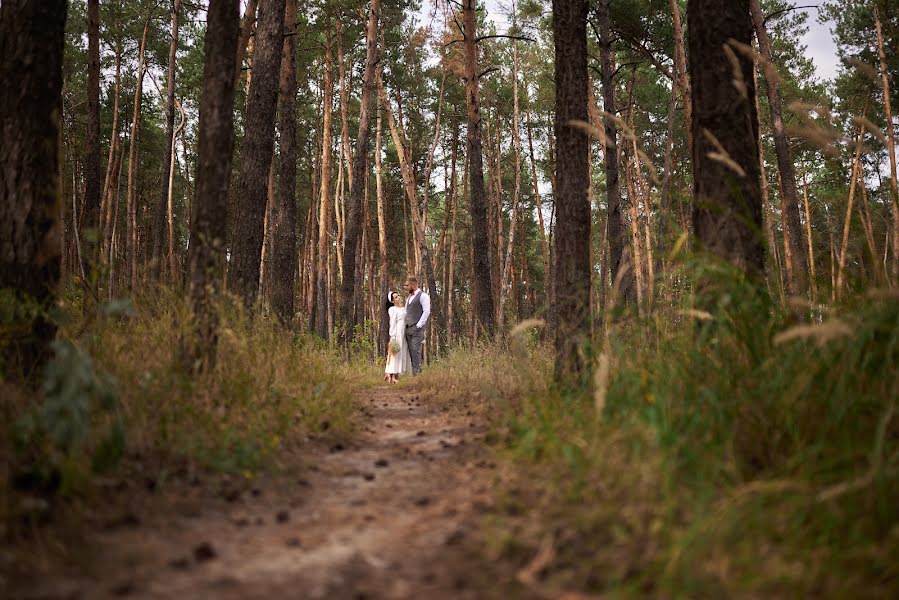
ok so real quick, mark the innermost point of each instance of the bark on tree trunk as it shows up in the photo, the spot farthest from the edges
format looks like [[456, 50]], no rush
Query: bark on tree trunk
[[382, 243], [284, 225], [543, 245], [324, 218], [131, 248], [891, 139], [797, 269], [209, 225], [680, 67], [516, 147], [727, 215], [256, 152], [359, 178], [846, 222], [621, 272], [247, 26], [572, 258], [31, 55], [92, 135], [159, 214], [484, 310]]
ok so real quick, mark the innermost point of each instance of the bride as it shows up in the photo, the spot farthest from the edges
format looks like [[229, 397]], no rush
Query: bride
[[398, 362]]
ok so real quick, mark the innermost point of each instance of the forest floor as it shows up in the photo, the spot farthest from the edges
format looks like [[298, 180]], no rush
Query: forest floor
[[394, 512]]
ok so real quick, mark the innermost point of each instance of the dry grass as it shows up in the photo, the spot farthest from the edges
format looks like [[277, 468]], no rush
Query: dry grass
[[739, 455], [123, 403]]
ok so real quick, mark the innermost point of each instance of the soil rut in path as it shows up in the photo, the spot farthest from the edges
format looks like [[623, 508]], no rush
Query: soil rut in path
[[394, 514]]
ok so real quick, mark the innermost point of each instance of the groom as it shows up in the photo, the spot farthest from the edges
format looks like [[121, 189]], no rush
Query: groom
[[418, 310]]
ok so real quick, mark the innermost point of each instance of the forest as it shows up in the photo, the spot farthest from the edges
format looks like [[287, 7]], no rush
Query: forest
[[653, 249]]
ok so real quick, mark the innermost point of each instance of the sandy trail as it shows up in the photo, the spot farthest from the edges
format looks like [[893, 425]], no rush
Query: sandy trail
[[394, 514]]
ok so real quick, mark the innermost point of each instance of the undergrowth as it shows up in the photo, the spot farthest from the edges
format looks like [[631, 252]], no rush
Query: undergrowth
[[740, 449], [117, 396]]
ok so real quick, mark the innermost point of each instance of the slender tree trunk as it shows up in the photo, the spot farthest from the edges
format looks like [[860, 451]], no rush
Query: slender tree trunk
[[284, 215], [572, 258], [159, 214], [665, 201], [92, 190], [174, 274], [382, 242], [813, 277], [727, 216], [766, 203], [32, 38], [866, 226], [131, 248], [324, 218], [256, 152], [410, 186], [484, 310], [797, 270], [451, 263], [247, 26], [516, 147], [543, 245], [209, 227], [359, 177], [110, 185], [680, 67], [891, 139], [621, 272], [856, 165]]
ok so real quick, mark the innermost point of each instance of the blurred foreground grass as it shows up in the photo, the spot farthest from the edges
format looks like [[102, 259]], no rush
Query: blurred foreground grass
[[740, 450]]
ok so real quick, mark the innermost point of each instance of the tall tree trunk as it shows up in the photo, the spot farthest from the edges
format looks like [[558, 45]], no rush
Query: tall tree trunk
[[32, 38], [572, 258], [256, 152], [866, 226], [480, 269], [284, 215], [159, 214], [359, 178], [767, 217], [382, 243], [174, 273], [516, 147], [813, 277], [680, 67], [209, 226], [247, 26], [844, 246], [544, 249], [92, 134], [113, 162], [410, 186], [131, 248], [727, 215], [797, 269], [891, 139], [324, 217], [621, 272]]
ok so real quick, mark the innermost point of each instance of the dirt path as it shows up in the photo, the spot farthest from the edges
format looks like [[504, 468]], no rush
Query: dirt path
[[395, 514]]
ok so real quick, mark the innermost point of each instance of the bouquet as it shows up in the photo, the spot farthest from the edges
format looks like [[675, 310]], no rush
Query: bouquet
[[394, 346]]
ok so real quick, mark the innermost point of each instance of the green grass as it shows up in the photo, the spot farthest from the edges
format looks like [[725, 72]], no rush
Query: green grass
[[117, 397], [750, 452]]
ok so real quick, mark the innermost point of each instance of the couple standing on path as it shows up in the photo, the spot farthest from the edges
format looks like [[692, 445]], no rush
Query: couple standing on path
[[407, 331]]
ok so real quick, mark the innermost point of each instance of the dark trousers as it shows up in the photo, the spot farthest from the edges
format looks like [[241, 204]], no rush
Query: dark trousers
[[414, 339]]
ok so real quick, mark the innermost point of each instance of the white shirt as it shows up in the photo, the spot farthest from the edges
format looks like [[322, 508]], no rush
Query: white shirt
[[425, 306]]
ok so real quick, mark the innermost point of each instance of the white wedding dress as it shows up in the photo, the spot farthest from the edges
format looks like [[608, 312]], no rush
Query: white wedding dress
[[398, 364]]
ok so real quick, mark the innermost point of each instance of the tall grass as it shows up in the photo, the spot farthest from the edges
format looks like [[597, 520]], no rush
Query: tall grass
[[744, 450], [118, 389]]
